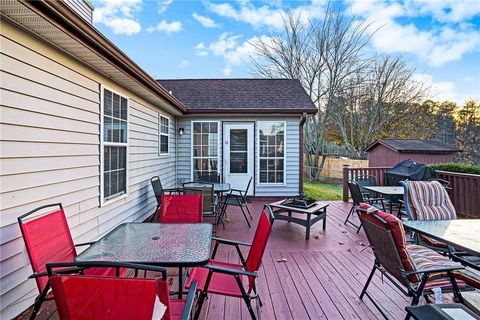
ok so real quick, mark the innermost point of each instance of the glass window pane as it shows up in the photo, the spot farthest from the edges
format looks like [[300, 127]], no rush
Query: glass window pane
[[205, 139], [106, 184], [197, 151], [204, 151], [204, 164], [107, 129], [107, 102], [197, 139], [263, 164], [271, 177], [263, 176], [213, 127], [116, 130], [214, 165], [238, 140], [205, 127], [123, 131], [116, 105], [163, 144], [271, 151], [279, 177], [124, 113], [197, 164], [106, 158], [197, 127]]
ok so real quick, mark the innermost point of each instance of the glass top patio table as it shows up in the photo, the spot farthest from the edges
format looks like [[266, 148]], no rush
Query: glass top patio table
[[463, 234], [386, 190], [162, 244], [217, 187]]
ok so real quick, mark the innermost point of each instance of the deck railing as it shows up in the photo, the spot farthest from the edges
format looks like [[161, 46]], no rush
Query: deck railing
[[465, 187]]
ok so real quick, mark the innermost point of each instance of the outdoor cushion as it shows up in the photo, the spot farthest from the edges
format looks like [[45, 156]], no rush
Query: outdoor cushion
[[425, 258], [398, 234], [430, 201]]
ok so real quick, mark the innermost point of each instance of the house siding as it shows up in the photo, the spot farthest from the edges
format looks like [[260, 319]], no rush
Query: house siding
[[50, 152], [292, 180]]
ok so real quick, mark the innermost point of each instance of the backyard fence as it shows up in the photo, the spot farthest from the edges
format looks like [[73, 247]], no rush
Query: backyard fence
[[333, 167], [465, 187]]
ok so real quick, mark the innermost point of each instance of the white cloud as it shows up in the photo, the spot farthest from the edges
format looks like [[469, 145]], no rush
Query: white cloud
[[119, 15], [184, 64], [436, 45], [231, 49], [445, 10], [438, 90], [201, 50], [469, 79], [167, 27], [163, 5], [205, 21], [266, 15]]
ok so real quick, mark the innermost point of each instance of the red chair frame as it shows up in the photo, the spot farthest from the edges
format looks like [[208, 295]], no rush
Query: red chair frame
[[79, 296], [181, 209], [223, 278]]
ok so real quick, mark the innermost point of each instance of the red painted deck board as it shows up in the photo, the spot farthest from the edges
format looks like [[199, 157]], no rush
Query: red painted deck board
[[321, 279]]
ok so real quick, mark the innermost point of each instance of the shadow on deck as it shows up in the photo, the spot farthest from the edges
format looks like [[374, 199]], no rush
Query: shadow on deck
[[319, 278]]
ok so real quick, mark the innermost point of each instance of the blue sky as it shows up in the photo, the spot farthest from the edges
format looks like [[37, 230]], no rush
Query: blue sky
[[210, 39]]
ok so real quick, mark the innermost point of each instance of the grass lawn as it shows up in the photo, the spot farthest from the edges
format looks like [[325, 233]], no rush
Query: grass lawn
[[323, 191]]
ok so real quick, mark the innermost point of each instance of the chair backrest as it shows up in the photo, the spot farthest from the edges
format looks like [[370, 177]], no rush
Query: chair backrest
[[157, 187], [181, 208], [356, 192], [427, 200], [366, 181], [208, 176], [88, 297], [47, 239], [207, 193], [248, 186], [259, 243], [386, 235]]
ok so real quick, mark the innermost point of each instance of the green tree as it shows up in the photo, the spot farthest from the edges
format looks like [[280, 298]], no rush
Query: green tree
[[468, 132]]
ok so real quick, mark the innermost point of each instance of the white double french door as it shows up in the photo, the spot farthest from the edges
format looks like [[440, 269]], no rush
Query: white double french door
[[238, 155]]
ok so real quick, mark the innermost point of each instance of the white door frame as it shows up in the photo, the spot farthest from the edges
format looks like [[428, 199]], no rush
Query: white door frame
[[239, 180]]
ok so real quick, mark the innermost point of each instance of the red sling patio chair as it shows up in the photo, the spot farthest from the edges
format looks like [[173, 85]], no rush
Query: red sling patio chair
[[85, 297], [415, 270], [429, 200], [225, 278], [181, 209], [48, 239]]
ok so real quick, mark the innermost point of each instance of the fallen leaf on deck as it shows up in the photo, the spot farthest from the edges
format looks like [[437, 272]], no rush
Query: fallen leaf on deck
[[317, 237], [344, 231], [282, 260], [341, 243]]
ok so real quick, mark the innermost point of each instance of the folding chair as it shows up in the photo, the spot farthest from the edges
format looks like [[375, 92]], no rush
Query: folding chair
[[181, 209], [209, 198], [415, 270], [237, 198], [84, 297], [48, 239], [218, 277], [357, 199]]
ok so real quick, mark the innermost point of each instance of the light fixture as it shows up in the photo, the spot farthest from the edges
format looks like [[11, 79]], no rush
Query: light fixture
[[181, 131]]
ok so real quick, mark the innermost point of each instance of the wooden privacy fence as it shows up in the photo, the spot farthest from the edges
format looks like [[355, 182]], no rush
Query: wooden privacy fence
[[465, 187]]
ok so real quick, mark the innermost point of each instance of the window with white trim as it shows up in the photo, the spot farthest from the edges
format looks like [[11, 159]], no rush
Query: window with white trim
[[271, 136], [164, 125], [204, 147], [114, 144]]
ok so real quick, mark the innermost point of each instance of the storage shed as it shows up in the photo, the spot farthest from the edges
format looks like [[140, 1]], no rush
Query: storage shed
[[389, 152]]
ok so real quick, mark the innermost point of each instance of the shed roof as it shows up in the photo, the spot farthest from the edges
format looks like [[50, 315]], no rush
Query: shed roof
[[414, 146], [241, 95]]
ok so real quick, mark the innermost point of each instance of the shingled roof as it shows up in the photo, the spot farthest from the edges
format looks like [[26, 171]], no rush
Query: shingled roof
[[241, 95], [415, 146]]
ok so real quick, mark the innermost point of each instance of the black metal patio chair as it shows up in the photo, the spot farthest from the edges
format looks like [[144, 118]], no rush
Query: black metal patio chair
[[210, 203], [237, 198], [357, 199]]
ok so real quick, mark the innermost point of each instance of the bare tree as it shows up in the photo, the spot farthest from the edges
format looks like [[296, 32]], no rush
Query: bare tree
[[380, 93], [322, 54]]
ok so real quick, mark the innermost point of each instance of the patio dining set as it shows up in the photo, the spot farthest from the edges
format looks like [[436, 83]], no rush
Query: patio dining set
[[419, 245]]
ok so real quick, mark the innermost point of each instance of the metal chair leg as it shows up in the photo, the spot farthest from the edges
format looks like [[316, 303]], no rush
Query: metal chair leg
[[245, 216], [368, 282], [349, 214]]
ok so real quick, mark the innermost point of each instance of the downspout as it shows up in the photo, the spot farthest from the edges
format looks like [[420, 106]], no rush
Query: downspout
[[301, 155]]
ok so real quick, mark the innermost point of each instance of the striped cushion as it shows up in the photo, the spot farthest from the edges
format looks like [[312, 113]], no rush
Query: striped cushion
[[424, 258], [430, 201]]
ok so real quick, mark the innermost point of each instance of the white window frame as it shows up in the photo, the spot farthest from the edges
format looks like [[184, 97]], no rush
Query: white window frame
[[268, 184], [219, 168], [160, 134], [103, 201]]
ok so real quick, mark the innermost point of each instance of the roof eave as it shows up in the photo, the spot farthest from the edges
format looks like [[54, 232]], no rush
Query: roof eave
[[300, 111]]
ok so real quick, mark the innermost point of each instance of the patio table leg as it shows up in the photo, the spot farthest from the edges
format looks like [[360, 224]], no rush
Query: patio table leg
[[180, 282], [307, 236], [325, 219]]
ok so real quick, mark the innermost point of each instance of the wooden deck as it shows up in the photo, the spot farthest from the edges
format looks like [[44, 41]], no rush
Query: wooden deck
[[319, 278]]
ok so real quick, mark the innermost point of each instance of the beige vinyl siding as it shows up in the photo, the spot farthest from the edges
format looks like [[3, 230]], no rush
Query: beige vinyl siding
[[50, 152]]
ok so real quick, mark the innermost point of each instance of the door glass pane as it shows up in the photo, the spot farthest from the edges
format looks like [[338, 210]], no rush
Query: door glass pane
[[238, 162], [238, 140]]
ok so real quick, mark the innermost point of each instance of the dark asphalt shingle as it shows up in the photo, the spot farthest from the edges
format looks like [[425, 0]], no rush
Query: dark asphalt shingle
[[415, 145], [252, 95]]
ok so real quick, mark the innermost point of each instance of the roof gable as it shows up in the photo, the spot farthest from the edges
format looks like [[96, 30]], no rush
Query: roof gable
[[241, 95], [414, 146]]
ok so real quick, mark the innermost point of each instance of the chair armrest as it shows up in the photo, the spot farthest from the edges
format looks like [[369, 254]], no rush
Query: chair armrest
[[37, 275], [84, 244], [188, 306], [231, 242], [434, 270], [230, 271], [375, 199], [237, 190]]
